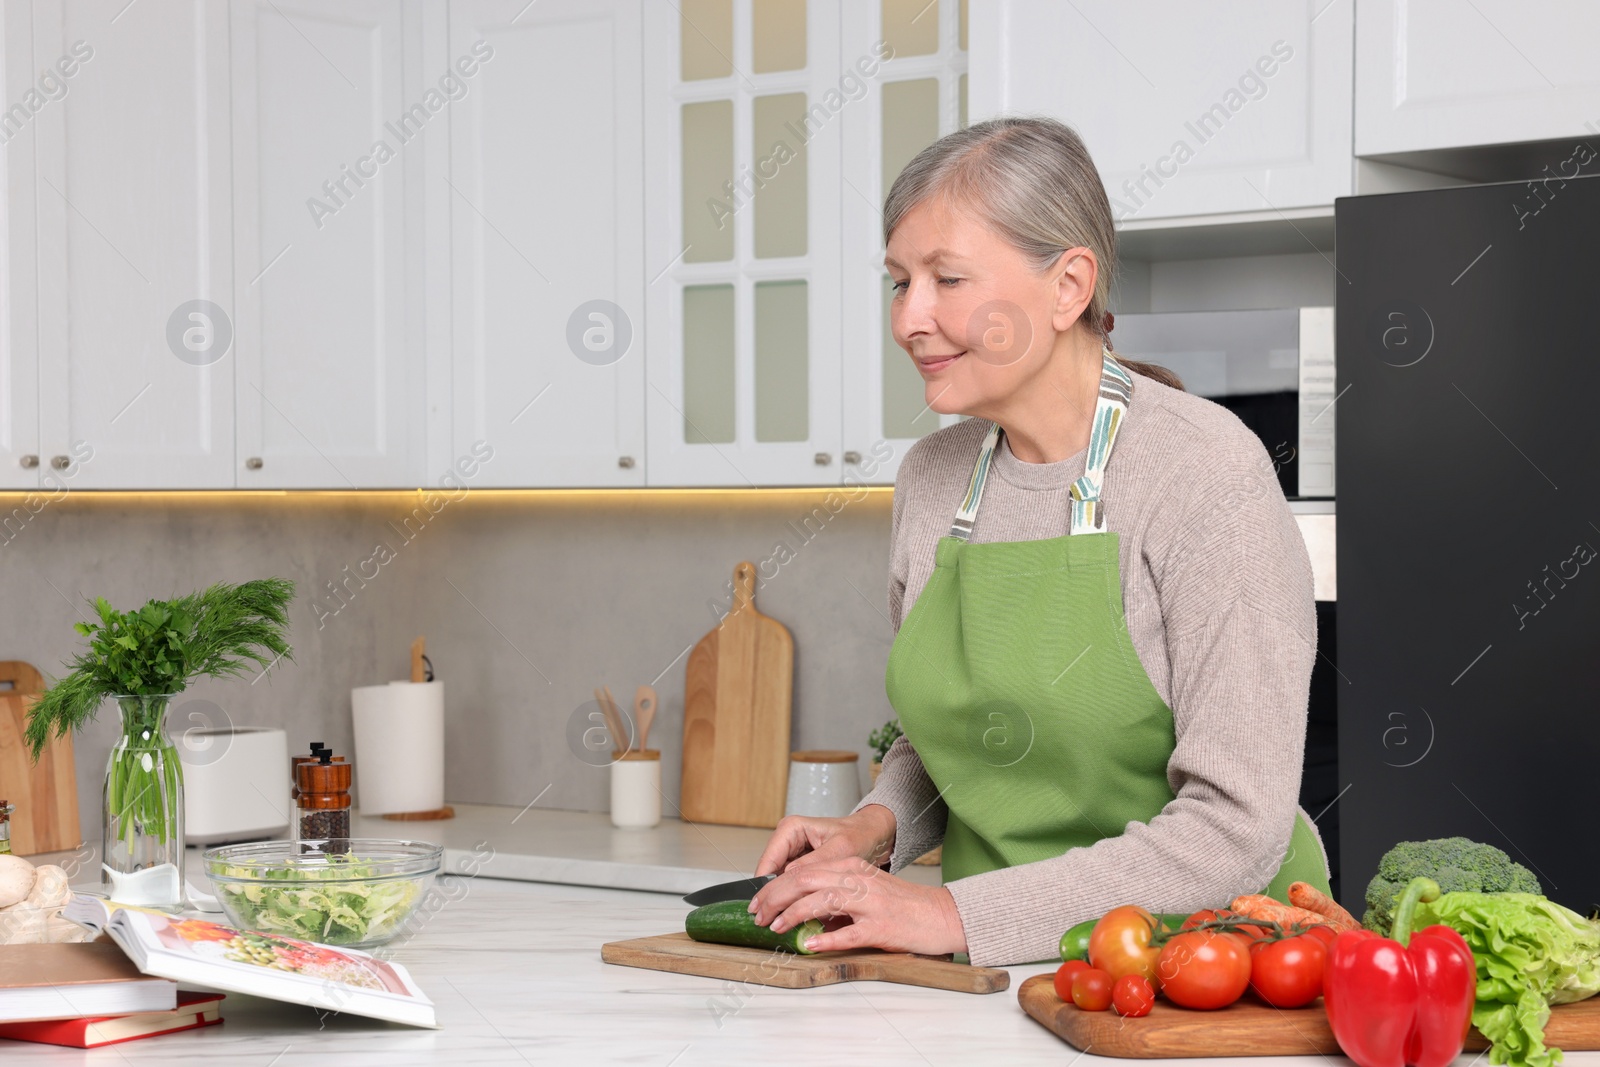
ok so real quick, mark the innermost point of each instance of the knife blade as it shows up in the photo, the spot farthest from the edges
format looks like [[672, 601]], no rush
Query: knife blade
[[743, 889]]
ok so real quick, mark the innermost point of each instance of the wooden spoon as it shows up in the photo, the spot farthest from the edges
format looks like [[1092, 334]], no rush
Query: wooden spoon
[[622, 722], [644, 713], [619, 736]]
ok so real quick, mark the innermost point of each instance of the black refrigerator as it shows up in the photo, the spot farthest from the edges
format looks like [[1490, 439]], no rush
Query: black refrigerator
[[1468, 458]]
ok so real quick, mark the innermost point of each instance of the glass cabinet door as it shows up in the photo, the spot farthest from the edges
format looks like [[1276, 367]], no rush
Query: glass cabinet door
[[916, 95], [742, 257]]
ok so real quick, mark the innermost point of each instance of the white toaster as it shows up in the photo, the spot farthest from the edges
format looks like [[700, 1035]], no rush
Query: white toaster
[[235, 784]]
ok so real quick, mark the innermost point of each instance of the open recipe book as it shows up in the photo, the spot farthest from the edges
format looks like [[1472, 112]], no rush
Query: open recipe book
[[278, 968]]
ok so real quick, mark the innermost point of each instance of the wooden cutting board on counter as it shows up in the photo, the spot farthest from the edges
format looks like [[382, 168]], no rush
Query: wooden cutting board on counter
[[736, 701], [45, 793], [681, 954], [1247, 1028]]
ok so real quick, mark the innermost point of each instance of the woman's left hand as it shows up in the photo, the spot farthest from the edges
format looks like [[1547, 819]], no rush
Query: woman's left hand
[[882, 911]]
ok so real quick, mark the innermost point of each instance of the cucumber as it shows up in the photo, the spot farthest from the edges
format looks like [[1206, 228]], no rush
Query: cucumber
[[1075, 942], [727, 922]]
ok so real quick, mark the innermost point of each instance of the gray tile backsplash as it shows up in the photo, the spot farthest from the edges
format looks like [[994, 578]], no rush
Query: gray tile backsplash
[[528, 602]]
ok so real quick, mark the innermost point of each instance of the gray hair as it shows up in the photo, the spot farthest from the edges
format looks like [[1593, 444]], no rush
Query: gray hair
[[1032, 180]]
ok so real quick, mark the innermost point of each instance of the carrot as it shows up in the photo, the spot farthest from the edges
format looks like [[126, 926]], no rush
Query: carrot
[[1256, 906], [1305, 896]]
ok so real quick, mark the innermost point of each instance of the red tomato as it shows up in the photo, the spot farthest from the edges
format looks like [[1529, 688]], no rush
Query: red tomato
[[1064, 975], [1091, 989], [1252, 934], [1132, 996], [1205, 915], [1204, 969], [1288, 973], [1323, 933], [1120, 943]]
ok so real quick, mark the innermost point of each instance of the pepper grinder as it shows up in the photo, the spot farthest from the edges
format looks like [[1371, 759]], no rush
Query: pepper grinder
[[316, 749], [322, 804]]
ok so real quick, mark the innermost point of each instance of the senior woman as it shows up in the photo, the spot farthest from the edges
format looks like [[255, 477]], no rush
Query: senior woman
[[1103, 608]]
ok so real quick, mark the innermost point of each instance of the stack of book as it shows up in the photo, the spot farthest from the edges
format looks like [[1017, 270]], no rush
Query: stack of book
[[124, 984], [88, 995]]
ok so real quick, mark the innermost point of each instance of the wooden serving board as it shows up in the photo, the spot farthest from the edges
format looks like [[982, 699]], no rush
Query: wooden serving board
[[45, 793], [736, 701], [1246, 1028], [681, 954]]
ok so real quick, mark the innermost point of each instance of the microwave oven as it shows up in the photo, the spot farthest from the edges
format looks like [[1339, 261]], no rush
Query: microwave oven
[[1274, 368]]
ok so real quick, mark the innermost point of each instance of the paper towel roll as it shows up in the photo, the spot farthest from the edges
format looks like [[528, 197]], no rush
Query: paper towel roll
[[399, 746]]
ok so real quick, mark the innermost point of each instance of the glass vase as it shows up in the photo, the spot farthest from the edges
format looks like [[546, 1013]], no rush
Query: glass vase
[[142, 846]]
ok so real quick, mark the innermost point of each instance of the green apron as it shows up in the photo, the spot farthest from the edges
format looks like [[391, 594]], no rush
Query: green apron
[[1016, 682]]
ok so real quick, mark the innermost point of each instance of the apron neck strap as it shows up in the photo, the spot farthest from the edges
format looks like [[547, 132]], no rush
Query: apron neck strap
[[1116, 387]]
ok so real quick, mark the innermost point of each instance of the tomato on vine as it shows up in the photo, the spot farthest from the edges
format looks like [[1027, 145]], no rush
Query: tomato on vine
[[1288, 973], [1204, 969]]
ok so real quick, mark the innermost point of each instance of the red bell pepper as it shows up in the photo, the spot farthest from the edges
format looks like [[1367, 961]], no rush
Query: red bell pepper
[[1405, 1001]]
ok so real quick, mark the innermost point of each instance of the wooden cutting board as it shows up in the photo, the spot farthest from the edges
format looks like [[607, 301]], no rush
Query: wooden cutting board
[[681, 954], [45, 793], [736, 701], [1247, 1028]]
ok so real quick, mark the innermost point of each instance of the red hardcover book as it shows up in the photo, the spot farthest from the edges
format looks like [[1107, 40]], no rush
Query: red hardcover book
[[194, 1010]]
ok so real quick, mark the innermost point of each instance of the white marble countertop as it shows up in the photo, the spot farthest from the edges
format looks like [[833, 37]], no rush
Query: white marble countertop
[[514, 969], [583, 848]]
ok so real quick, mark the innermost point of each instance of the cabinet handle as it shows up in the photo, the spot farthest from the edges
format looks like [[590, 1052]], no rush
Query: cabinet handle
[[852, 457], [625, 462], [29, 461], [60, 463], [822, 459], [253, 463]]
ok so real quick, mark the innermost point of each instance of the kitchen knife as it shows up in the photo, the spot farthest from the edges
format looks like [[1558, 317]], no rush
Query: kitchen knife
[[743, 889]]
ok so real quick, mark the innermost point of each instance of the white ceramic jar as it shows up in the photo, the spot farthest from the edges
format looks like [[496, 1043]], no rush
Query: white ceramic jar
[[636, 789], [823, 783]]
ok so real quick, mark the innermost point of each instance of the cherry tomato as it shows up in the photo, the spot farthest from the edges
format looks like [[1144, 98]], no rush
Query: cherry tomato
[[1120, 943], [1288, 973], [1091, 989], [1204, 969], [1132, 996], [1064, 975]]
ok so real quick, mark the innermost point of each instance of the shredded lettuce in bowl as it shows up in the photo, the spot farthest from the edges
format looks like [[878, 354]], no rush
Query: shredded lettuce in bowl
[[345, 902]]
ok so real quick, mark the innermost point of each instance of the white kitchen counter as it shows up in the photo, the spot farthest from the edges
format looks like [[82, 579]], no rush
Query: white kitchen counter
[[583, 848], [515, 971]]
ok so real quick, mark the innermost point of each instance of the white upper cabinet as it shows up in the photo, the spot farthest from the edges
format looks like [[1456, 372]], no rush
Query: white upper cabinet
[[135, 280], [1445, 74], [546, 198], [19, 360], [328, 128], [742, 252], [909, 59], [1187, 109]]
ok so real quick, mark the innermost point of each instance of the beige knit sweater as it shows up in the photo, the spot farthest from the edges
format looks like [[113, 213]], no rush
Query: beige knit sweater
[[1216, 587]]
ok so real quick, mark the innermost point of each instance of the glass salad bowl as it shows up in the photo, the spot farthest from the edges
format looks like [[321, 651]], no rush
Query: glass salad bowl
[[355, 892]]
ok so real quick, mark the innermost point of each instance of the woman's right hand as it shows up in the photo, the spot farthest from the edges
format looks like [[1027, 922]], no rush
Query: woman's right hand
[[799, 840]]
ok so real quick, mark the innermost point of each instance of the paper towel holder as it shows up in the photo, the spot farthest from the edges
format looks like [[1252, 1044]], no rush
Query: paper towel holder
[[421, 672]]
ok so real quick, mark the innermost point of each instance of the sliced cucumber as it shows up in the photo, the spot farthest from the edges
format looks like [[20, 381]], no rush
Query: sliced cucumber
[[727, 922]]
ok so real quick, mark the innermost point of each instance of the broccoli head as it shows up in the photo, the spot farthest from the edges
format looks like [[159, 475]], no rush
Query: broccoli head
[[1459, 865]]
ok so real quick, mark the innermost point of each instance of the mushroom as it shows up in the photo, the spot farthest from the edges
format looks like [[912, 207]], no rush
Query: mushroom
[[16, 879], [50, 888]]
